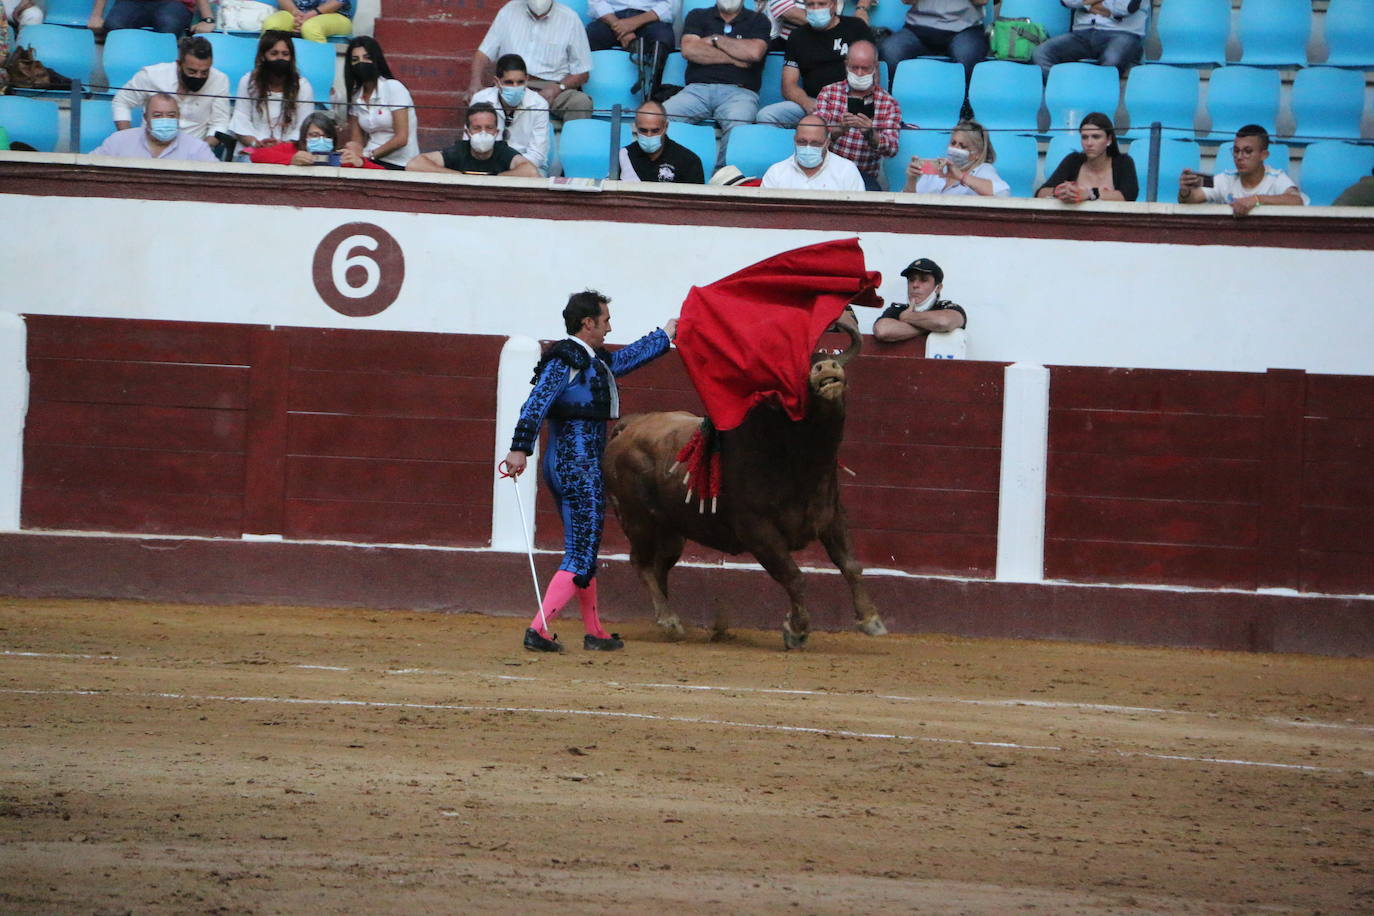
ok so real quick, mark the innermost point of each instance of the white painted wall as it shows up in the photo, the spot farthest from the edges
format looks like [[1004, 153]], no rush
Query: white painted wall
[[14, 404]]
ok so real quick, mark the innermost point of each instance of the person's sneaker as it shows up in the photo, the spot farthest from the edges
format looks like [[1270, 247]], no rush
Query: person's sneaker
[[536, 643], [598, 644]]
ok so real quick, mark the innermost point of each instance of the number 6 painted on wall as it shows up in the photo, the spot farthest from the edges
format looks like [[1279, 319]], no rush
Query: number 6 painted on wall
[[358, 269]]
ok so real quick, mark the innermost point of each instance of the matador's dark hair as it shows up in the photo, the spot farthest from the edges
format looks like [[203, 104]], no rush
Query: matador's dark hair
[[586, 304]]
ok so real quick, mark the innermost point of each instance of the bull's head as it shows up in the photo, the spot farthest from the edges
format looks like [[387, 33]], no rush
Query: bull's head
[[827, 371]]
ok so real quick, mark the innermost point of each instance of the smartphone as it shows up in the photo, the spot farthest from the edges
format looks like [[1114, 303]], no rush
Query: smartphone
[[861, 106], [930, 167]]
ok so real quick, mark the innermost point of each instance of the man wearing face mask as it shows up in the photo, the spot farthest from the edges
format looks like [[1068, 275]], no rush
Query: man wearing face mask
[[654, 157], [201, 91], [480, 154], [924, 311], [159, 138], [865, 120], [522, 115], [811, 167], [553, 42], [814, 59]]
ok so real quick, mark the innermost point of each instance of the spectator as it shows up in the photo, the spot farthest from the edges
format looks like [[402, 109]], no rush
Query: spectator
[[160, 137], [864, 119], [317, 145], [813, 168], [653, 156], [953, 28], [28, 12], [381, 113], [618, 23], [4, 53], [1249, 184], [1359, 194], [725, 46], [272, 100], [201, 91], [316, 20], [785, 15], [159, 15], [521, 116], [1101, 172], [1111, 32], [924, 312], [551, 39], [966, 167], [814, 59], [480, 154]]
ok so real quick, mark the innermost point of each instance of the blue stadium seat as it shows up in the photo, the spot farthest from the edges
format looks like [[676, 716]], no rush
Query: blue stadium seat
[[930, 91], [1280, 157], [1329, 167], [928, 144], [1158, 92], [579, 7], [1237, 96], [74, 13], [71, 52], [129, 50], [1273, 33], [1082, 88], [1349, 28], [770, 87], [1193, 32], [1327, 103], [1006, 95], [97, 123], [1062, 144], [31, 121], [1018, 156], [1174, 157], [752, 148], [700, 139], [584, 147], [886, 15], [612, 75], [675, 70], [1051, 14], [315, 61], [234, 55]]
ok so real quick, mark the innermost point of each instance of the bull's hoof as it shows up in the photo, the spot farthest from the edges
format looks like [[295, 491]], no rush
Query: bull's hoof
[[873, 626], [792, 640], [672, 628]]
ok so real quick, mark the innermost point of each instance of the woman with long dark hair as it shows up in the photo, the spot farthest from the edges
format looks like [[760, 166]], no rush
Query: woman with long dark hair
[[381, 114], [1101, 172], [273, 98]]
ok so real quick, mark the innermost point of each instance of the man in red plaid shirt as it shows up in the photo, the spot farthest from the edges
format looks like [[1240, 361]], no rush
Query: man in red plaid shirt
[[865, 121]]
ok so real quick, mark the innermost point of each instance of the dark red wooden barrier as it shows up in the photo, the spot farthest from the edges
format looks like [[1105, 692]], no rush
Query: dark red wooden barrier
[[1337, 493]]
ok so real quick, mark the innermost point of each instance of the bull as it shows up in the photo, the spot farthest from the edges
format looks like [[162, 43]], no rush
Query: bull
[[778, 492]]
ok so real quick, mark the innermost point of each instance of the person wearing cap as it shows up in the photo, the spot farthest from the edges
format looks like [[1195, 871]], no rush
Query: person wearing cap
[[924, 311], [652, 156]]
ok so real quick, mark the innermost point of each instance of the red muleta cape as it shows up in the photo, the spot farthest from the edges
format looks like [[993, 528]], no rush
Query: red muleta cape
[[748, 337]]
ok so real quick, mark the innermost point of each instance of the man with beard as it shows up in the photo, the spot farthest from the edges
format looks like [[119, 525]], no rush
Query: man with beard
[[201, 91]]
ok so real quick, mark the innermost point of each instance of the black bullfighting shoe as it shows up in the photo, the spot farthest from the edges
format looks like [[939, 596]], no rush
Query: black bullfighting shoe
[[536, 643], [597, 644]]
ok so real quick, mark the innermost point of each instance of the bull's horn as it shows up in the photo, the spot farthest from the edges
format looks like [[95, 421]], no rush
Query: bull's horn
[[855, 343]]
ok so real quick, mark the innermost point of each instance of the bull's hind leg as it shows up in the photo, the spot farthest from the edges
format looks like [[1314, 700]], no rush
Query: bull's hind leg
[[835, 537], [653, 557], [774, 557]]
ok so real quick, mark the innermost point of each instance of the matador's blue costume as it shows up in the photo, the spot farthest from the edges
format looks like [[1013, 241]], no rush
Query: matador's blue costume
[[576, 390]]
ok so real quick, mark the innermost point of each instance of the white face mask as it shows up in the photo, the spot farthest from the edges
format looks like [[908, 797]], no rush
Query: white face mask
[[860, 83], [959, 157], [483, 142], [927, 302], [538, 7], [729, 7]]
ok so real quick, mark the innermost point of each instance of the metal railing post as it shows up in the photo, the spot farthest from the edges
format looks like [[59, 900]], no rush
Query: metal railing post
[[74, 138], [1152, 170], [613, 171]]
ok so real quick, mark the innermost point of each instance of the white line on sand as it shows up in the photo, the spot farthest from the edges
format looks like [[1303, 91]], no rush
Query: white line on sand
[[322, 667], [56, 655]]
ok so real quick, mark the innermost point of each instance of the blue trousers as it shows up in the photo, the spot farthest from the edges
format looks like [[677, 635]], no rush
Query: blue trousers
[[572, 471], [967, 47], [1109, 48], [601, 38], [158, 15]]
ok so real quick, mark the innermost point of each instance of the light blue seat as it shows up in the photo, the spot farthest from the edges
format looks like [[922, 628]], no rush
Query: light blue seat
[[1193, 32], [613, 74], [1018, 156], [1158, 92], [1273, 33], [67, 12], [929, 91], [1329, 167], [1083, 88], [1349, 26], [928, 144], [1237, 96], [752, 148], [700, 139], [886, 15], [580, 8], [1327, 103], [315, 61], [97, 122], [129, 50], [1006, 95], [71, 52], [234, 55], [770, 86], [1062, 144], [31, 121], [1051, 14], [675, 70], [1280, 157], [585, 147]]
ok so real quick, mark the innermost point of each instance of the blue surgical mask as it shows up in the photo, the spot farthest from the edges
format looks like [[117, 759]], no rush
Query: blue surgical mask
[[163, 129], [818, 19], [319, 145], [650, 145], [808, 157], [512, 95]]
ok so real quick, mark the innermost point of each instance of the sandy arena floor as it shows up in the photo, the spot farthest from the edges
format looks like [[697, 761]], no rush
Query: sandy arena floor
[[180, 759]]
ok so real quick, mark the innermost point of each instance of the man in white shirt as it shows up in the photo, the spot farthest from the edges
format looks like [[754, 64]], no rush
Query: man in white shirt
[[813, 167], [553, 42], [1249, 184], [201, 91], [522, 115]]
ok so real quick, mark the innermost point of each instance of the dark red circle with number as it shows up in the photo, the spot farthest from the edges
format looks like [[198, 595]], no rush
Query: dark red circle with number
[[358, 269]]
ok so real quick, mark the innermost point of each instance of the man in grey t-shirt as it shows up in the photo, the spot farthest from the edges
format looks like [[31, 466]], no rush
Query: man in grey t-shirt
[[939, 27]]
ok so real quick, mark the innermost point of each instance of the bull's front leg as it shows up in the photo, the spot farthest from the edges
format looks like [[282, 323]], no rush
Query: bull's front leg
[[771, 551], [653, 557], [835, 537]]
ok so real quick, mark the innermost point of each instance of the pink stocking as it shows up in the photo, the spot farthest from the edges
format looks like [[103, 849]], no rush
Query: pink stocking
[[586, 597], [561, 588]]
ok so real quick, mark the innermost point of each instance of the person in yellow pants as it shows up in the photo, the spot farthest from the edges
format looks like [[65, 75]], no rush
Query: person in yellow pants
[[316, 20]]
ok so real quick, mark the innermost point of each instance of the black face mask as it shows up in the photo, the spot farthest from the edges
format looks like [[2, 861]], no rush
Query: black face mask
[[365, 72], [193, 83], [278, 68]]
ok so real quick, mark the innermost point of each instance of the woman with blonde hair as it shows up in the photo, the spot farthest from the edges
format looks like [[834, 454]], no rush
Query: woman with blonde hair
[[966, 168]]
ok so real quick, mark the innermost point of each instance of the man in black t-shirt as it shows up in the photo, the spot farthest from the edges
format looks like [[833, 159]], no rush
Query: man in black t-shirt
[[480, 154], [814, 59], [653, 157]]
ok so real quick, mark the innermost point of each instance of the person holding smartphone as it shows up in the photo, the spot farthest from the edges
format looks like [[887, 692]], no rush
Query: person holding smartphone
[[314, 146], [966, 168], [865, 120]]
